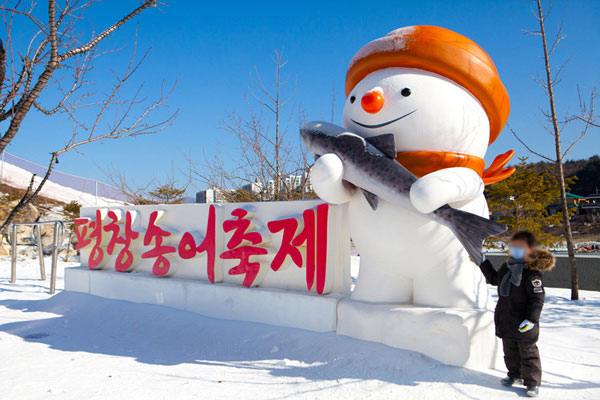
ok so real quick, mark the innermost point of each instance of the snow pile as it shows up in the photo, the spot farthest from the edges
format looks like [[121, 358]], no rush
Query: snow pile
[[20, 178], [77, 346], [399, 40]]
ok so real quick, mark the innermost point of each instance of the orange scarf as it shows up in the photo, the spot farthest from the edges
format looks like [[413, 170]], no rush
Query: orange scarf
[[421, 163]]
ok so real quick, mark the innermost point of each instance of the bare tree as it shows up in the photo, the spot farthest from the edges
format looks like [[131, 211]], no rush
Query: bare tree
[[556, 126], [302, 164], [156, 190], [135, 193], [57, 60], [264, 156]]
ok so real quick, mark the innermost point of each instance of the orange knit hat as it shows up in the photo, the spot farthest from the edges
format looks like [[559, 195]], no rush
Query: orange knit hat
[[440, 51]]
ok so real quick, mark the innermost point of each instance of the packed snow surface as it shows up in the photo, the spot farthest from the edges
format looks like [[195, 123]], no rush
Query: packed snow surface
[[20, 178], [78, 346]]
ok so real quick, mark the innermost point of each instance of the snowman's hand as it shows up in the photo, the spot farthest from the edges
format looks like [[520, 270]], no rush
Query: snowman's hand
[[326, 178], [446, 186]]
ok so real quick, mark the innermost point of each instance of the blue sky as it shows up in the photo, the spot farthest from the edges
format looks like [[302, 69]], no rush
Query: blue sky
[[212, 46]]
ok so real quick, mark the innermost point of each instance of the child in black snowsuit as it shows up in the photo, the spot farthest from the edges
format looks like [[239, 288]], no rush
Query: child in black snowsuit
[[520, 301]]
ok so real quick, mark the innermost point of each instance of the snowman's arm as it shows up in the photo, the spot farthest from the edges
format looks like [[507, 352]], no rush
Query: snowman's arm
[[326, 177], [446, 186]]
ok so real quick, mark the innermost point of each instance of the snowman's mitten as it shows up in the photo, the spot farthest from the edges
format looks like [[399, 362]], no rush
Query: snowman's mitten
[[445, 186], [326, 178]]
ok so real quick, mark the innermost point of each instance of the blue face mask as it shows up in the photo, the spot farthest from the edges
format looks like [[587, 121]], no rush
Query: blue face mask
[[518, 253]]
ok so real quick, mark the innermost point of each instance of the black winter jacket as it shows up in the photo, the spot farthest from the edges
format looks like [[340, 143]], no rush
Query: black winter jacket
[[524, 301]]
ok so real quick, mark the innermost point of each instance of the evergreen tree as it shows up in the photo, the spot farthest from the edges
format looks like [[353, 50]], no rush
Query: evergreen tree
[[520, 201], [240, 195], [71, 210], [167, 194], [588, 178]]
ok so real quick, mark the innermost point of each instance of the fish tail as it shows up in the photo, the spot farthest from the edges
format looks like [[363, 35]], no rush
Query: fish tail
[[470, 229]]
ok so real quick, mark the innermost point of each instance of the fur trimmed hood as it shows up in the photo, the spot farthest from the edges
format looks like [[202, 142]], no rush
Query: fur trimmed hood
[[540, 260]]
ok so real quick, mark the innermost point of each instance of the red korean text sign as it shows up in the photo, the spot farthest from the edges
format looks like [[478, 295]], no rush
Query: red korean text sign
[[235, 242]]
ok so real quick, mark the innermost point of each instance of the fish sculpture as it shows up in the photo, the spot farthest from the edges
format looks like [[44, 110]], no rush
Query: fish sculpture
[[369, 164]]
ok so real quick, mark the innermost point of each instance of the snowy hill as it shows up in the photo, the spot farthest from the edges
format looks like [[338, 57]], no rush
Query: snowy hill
[[78, 346], [20, 178]]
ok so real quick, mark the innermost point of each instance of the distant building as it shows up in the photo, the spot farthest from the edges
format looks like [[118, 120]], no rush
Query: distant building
[[293, 182], [573, 201], [210, 196], [587, 208], [589, 211], [255, 187]]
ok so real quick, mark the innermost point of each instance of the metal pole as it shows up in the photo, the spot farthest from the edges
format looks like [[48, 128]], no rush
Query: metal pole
[[2, 169], [54, 259], [13, 256], [69, 245], [96, 193], [40, 251]]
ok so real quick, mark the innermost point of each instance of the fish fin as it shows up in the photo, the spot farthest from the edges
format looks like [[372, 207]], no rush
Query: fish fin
[[471, 230], [349, 184], [372, 199], [352, 140], [384, 143]]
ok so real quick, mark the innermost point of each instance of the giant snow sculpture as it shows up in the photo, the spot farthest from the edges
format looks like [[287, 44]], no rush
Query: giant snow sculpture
[[429, 100]]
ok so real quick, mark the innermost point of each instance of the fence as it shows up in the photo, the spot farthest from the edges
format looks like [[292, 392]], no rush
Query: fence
[[588, 269], [90, 186]]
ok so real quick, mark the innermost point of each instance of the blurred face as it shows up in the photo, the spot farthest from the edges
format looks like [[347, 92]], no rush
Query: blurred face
[[519, 249]]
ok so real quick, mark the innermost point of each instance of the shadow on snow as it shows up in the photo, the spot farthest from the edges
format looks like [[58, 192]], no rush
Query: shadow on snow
[[164, 336]]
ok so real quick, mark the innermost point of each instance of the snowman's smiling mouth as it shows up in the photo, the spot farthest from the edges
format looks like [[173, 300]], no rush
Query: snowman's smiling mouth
[[382, 124]]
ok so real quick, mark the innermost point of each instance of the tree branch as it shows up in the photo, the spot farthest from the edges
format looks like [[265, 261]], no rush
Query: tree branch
[[527, 146], [94, 42]]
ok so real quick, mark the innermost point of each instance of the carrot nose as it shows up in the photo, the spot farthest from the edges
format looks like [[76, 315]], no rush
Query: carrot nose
[[372, 101]]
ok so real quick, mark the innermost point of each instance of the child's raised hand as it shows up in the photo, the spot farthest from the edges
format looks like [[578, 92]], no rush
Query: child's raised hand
[[526, 326]]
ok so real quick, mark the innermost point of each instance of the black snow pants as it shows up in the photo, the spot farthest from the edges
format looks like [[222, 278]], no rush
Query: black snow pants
[[522, 360]]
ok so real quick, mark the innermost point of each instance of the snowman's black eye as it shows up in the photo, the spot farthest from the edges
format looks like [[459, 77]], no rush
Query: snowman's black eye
[[352, 99], [405, 92]]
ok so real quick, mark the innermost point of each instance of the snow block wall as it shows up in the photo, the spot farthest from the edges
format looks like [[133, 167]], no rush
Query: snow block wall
[[268, 306], [284, 263], [460, 337]]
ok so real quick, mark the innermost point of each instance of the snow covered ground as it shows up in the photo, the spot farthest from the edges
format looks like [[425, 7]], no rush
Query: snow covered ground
[[77, 346], [20, 178]]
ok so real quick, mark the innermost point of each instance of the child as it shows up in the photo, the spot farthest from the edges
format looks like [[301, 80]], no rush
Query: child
[[520, 302]]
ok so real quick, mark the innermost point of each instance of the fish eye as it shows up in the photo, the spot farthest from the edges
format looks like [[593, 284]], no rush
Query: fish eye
[[405, 92], [352, 99]]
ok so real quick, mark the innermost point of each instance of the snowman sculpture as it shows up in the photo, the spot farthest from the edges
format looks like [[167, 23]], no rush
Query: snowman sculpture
[[439, 94]]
